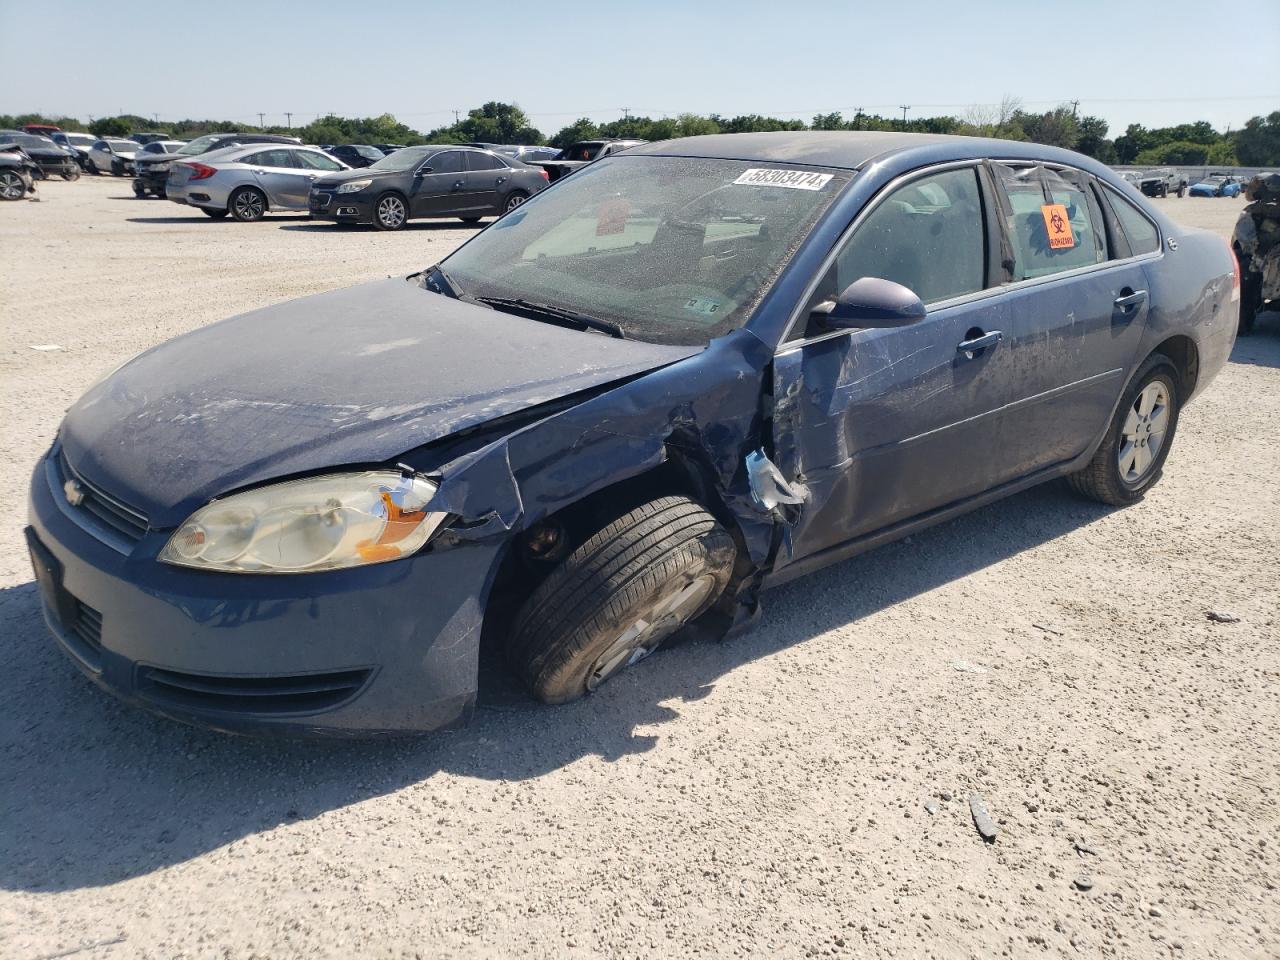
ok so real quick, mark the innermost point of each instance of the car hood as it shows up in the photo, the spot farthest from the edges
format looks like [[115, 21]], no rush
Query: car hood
[[360, 173], [357, 376], [47, 152]]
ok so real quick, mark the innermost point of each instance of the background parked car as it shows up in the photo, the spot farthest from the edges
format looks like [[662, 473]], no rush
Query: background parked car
[[526, 154], [78, 143], [578, 155], [1217, 185], [1162, 182], [387, 148], [49, 158], [430, 181], [17, 173], [41, 129], [155, 150], [357, 154], [149, 136], [112, 156], [152, 171], [249, 180]]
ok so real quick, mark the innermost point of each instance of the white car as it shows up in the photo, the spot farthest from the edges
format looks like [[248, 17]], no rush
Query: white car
[[112, 156]]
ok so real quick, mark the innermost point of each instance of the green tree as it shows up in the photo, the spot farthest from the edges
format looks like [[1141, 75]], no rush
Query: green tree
[[582, 129], [1093, 141], [1223, 154], [1178, 152], [1132, 142], [1258, 142], [828, 121], [111, 127]]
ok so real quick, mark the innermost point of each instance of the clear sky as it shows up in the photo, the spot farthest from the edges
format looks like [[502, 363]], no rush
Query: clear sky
[[1155, 62]]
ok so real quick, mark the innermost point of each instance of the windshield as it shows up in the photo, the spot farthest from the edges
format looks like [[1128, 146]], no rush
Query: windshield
[[26, 140], [123, 146], [671, 249], [405, 159]]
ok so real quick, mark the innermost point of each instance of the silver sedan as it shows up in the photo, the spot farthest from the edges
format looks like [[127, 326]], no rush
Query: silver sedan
[[249, 180]]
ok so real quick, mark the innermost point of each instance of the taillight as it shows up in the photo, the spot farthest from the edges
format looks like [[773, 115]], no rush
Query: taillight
[[1235, 275], [545, 176], [200, 171]]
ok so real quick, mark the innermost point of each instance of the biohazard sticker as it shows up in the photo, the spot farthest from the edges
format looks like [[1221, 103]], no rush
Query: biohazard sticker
[[611, 217], [795, 179], [1057, 226]]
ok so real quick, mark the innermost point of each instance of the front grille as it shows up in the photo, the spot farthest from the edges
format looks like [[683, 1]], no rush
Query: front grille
[[304, 693], [106, 509], [320, 200], [88, 625]]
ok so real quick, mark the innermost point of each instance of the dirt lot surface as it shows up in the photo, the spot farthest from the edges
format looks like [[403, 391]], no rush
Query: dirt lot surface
[[769, 796]]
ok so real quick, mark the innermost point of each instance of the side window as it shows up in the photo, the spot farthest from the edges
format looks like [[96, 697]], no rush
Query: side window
[[484, 161], [1033, 196], [271, 158], [101, 145], [928, 235], [450, 161], [316, 161], [1138, 230]]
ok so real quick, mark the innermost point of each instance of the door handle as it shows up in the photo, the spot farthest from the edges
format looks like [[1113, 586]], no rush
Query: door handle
[[458, 185], [1129, 300], [971, 348]]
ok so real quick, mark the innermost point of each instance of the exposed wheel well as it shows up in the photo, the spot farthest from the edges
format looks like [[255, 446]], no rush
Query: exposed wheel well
[[1186, 357], [531, 554]]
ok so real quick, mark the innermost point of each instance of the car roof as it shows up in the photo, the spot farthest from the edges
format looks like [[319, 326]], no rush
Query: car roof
[[850, 149]]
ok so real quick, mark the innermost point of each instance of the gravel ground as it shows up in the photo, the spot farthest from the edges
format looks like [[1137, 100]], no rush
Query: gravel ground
[[770, 796]]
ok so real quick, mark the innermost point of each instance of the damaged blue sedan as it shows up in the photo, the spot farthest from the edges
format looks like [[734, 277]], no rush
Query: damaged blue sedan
[[687, 373]]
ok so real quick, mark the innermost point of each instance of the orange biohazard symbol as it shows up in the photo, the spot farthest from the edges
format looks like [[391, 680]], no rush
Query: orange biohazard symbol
[[1057, 226]]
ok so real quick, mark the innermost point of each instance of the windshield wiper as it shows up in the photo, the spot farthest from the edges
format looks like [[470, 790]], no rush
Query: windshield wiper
[[536, 310], [451, 285]]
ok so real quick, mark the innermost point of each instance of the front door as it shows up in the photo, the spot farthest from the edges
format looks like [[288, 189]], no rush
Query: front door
[[280, 175], [440, 185], [881, 425]]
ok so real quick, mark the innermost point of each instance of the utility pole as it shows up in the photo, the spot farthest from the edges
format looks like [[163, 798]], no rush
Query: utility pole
[[857, 118], [288, 119], [905, 108], [156, 117], [1075, 105], [260, 123], [455, 117], [626, 113]]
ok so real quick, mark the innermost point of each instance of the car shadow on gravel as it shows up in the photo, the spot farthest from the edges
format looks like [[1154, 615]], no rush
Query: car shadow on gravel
[[93, 792], [168, 221], [1262, 347], [428, 225]]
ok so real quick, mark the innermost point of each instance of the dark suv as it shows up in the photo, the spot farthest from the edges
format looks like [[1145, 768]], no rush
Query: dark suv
[[357, 155], [153, 169]]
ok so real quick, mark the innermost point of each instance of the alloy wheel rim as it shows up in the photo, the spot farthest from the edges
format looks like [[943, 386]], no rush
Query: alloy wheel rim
[[11, 186], [513, 202], [1143, 434], [668, 614], [391, 211], [249, 205]]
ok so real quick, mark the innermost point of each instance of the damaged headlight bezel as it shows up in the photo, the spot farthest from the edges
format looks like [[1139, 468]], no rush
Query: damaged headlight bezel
[[334, 521]]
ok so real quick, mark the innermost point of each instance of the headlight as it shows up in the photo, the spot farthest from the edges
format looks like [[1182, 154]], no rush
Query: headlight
[[355, 186], [322, 523]]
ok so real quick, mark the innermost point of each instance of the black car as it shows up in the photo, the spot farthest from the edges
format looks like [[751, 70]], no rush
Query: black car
[[357, 154], [388, 148], [17, 173], [430, 181], [152, 170], [49, 158]]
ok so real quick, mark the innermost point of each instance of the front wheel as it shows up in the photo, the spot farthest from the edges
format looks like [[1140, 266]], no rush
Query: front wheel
[[618, 596], [390, 212], [1129, 461], [139, 190], [1182, 191], [12, 186], [91, 167], [248, 204], [72, 174]]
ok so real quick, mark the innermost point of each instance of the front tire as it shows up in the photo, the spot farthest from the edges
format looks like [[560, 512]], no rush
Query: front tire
[[1131, 457], [248, 204], [618, 596], [91, 167], [72, 174], [139, 190], [514, 199], [12, 186], [390, 212]]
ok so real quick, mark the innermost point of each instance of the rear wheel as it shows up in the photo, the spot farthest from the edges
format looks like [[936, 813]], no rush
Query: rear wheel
[[91, 167], [12, 186], [514, 199], [1129, 461], [248, 204], [215, 214], [72, 174], [1250, 301], [618, 596], [390, 212], [139, 190]]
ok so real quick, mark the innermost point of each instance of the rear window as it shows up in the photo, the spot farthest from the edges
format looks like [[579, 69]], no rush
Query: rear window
[[1050, 221], [1138, 230]]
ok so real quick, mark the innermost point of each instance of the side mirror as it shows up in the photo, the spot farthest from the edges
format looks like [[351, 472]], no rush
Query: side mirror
[[870, 302], [421, 171]]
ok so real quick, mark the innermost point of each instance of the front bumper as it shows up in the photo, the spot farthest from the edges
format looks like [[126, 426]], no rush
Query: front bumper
[[340, 207], [388, 649]]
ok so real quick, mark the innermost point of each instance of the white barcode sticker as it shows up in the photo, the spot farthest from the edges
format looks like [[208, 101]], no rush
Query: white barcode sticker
[[795, 179]]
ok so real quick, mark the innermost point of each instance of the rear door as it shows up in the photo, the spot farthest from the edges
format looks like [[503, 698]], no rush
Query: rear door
[[486, 181], [884, 424], [282, 176], [1077, 307], [441, 187]]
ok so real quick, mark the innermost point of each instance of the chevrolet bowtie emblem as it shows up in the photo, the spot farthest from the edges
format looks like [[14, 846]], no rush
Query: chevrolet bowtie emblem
[[74, 493]]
